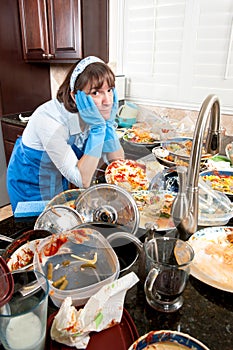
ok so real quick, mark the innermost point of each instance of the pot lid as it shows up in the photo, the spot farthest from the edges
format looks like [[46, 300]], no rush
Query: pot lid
[[6, 282], [58, 218], [109, 204]]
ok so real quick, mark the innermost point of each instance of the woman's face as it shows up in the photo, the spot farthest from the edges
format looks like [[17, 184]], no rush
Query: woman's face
[[102, 97]]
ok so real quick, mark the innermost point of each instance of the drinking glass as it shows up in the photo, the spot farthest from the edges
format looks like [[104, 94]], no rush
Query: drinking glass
[[23, 319], [168, 262]]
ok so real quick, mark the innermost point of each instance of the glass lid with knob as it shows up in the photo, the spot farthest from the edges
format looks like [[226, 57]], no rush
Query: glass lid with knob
[[110, 204]]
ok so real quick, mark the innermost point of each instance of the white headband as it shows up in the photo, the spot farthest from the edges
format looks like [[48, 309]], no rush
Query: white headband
[[80, 68]]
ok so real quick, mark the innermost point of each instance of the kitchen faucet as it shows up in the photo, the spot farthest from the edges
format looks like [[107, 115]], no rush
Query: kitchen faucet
[[185, 205]]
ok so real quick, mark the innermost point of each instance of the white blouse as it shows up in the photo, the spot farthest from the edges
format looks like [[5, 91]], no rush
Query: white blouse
[[53, 129]]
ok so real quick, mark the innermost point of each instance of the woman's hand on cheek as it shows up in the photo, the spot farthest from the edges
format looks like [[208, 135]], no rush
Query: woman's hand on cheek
[[114, 106], [88, 110]]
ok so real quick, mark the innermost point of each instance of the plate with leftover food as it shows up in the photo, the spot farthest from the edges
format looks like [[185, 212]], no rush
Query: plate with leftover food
[[127, 173], [20, 252], [120, 336], [213, 259], [219, 180], [155, 208], [138, 135], [182, 147]]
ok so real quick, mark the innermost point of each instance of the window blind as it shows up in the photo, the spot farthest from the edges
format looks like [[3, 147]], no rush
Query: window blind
[[176, 52]]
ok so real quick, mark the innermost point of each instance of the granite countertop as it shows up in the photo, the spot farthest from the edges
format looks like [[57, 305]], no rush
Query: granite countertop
[[14, 119], [207, 313]]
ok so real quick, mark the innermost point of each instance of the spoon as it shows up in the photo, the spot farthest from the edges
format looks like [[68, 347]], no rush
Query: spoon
[[6, 238]]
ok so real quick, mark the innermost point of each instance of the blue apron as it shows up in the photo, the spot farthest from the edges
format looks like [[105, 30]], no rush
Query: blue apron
[[32, 176]]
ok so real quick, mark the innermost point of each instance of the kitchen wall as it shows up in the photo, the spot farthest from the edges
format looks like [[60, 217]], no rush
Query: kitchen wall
[[57, 73]]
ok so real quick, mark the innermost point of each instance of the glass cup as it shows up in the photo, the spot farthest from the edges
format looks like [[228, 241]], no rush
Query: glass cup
[[168, 262], [23, 319]]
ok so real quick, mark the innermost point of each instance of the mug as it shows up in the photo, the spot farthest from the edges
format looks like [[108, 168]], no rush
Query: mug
[[168, 260]]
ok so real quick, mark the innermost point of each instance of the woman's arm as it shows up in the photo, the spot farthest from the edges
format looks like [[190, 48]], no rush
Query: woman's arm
[[119, 154], [87, 166]]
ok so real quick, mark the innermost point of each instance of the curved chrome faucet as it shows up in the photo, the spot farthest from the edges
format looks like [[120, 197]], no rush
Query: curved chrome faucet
[[185, 205]]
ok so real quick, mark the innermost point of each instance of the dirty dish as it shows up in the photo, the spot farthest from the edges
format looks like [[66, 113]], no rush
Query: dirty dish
[[140, 137], [166, 339], [155, 208], [213, 260], [117, 337], [20, 252], [219, 180], [77, 263], [127, 173], [67, 198]]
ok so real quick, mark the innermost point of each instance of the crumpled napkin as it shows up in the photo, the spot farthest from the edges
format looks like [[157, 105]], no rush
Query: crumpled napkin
[[103, 310]]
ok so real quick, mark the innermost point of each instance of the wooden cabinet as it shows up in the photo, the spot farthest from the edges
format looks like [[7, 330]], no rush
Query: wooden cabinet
[[10, 134], [55, 30]]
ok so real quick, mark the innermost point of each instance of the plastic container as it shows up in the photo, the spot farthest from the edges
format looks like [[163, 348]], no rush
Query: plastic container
[[215, 208], [70, 254]]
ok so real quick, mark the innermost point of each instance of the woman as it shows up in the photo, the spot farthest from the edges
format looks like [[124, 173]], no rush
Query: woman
[[66, 137]]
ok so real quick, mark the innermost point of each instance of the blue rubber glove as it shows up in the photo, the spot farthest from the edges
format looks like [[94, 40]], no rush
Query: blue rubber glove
[[88, 110], [111, 141], [91, 116]]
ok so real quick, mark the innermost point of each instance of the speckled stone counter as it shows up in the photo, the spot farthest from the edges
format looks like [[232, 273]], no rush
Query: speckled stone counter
[[207, 314]]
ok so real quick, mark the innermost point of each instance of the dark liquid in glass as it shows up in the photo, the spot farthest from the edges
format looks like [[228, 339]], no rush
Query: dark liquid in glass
[[170, 284]]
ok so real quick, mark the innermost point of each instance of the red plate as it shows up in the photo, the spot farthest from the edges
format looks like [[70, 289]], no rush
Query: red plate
[[117, 337]]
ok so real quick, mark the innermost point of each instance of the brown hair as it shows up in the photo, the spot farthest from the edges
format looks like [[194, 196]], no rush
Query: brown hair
[[94, 75]]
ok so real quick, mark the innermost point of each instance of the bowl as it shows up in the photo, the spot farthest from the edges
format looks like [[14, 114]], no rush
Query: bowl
[[167, 339], [220, 180], [82, 259]]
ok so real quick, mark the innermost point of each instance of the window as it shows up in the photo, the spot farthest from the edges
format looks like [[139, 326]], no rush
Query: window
[[176, 52]]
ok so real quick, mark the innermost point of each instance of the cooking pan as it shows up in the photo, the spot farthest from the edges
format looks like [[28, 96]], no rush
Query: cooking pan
[[125, 250]]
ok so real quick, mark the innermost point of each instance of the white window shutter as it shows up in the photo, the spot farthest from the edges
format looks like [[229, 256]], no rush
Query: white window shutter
[[177, 52]]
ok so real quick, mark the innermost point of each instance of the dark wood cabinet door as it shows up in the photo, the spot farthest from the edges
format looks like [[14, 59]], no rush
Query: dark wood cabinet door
[[10, 134], [65, 32], [51, 29], [34, 29]]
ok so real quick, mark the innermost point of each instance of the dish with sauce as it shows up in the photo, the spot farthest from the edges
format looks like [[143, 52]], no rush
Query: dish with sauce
[[167, 340]]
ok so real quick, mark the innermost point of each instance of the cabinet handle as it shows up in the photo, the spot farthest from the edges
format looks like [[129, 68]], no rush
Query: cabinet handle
[[48, 56]]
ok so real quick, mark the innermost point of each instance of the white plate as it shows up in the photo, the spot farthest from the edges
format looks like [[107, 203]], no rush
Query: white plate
[[23, 256], [213, 259]]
